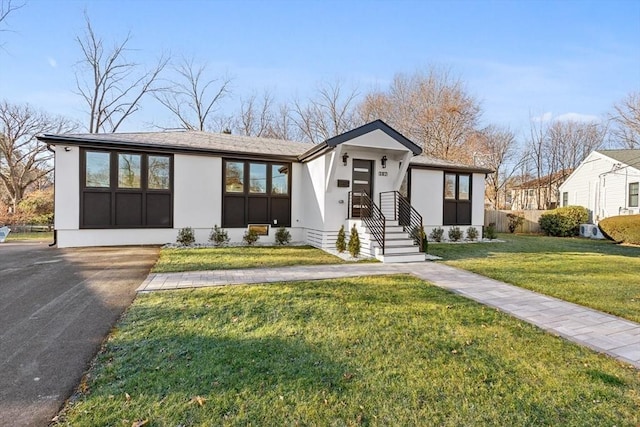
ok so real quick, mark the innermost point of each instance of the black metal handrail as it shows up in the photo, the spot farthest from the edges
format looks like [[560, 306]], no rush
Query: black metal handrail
[[370, 214], [406, 215]]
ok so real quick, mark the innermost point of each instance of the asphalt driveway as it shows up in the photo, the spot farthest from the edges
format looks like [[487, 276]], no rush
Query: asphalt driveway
[[56, 307]]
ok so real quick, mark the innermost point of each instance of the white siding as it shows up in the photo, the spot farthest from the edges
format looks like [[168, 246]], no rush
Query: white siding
[[600, 186], [197, 191], [67, 183]]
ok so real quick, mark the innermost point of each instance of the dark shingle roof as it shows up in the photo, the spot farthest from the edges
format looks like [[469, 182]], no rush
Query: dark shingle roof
[[189, 141], [206, 142], [436, 163], [628, 157]]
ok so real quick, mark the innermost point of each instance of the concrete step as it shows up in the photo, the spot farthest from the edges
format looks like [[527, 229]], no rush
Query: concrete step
[[407, 249], [391, 258], [405, 241]]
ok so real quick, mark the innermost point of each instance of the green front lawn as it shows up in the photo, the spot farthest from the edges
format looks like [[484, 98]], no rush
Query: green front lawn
[[593, 273], [361, 351], [36, 236], [240, 257]]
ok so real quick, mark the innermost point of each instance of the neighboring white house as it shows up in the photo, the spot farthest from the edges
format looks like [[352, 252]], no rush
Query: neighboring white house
[[141, 188], [606, 183]]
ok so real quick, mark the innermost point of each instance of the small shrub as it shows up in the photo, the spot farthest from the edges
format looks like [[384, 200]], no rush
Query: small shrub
[[436, 234], [250, 237], [283, 237], [564, 221], [490, 231], [341, 241], [472, 233], [515, 221], [354, 242], [186, 236], [419, 236], [218, 236], [455, 234], [622, 229]]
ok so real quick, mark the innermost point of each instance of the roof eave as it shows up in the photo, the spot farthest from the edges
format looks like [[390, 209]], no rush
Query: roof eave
[[164, 148]]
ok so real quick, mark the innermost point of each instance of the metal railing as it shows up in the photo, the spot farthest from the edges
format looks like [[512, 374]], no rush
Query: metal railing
[[402, 211], [361, 206]]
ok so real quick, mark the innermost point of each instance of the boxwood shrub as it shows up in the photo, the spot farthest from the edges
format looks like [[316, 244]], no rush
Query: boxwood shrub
[[564, 221], [622, 229]]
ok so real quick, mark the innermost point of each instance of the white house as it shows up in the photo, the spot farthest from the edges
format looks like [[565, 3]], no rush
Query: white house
[[141, 188], [606, 183]]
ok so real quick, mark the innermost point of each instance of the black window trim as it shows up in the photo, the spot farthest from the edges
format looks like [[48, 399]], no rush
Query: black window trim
[[246, 194], [457, 201], [114, 189]]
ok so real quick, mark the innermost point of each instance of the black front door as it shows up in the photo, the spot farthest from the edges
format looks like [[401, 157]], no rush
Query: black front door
[[362, 184]]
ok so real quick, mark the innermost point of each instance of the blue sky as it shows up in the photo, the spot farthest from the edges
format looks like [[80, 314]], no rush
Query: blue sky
[[519, 58]]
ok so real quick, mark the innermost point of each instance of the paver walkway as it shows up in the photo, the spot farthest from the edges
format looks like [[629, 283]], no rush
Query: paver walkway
[[602, 332]]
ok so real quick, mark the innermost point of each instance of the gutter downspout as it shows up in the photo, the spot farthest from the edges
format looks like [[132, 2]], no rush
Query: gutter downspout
[[55, 232]]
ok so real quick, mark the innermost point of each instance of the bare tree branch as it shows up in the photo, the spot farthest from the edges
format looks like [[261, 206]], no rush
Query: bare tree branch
[[626, 121], [191, 98], [6, 8], [433, 109], [331, 112], [110, 84], [23, 159]]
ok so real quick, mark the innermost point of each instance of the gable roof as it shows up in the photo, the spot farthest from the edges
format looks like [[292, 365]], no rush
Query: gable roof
[[628, 157], [333, 142], [555, 178]]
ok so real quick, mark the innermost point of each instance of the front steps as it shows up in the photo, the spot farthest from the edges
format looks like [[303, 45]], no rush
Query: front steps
[[399, 246]]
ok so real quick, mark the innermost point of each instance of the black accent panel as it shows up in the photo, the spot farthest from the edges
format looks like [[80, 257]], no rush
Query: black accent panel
[[159, 210], [128, 209], [258, 210], [281, 211], [233, 211], [96, 211]]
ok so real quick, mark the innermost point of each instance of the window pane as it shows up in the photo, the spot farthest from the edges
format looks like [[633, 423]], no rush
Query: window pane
[[565, 199], [279, 179], [158, 176], [463, 187], [234, 177], [449, 186], [129, 170], [257, 178], [97, 169], [633, 194]]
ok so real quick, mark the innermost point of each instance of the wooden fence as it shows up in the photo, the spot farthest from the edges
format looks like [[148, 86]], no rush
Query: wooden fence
[[500, 219]]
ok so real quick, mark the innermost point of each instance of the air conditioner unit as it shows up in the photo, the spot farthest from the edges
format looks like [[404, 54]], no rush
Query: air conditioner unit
[[586, 230], [596, 233]]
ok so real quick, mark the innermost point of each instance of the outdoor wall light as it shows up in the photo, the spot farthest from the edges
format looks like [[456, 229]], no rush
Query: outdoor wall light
[[383, 161], [345, 156]]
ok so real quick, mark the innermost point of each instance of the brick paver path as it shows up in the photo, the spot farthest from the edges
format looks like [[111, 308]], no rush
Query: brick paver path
[[602, 332]]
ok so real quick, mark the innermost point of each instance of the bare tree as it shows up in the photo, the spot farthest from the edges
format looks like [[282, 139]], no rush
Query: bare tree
[[193, 97], [331, 112], [557, 147], [496, 150], [433, 109], [110, 84], [256, 115], [626, 121], [23, 159]]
